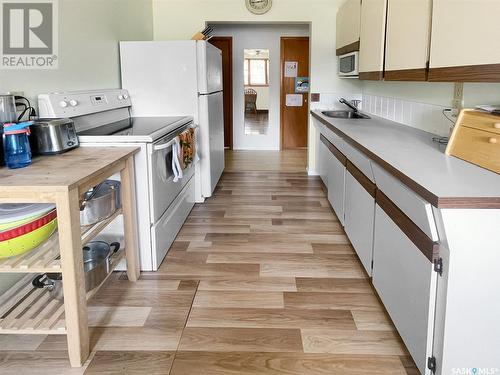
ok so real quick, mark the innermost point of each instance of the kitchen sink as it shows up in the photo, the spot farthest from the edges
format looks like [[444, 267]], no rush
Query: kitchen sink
[[346, 114]]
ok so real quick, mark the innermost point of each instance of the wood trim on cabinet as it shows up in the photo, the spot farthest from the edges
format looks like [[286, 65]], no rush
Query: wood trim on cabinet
[[468, 73], [426, 245], [371, 76], [349, 48], [364, 181], [334, 150], [406, 75], [439, 202]]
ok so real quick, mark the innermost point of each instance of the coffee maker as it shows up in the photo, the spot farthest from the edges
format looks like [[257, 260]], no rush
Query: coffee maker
[[7, 115]]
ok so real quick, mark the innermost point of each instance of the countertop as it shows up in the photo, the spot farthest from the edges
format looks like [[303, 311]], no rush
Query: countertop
[[411, 156], [48, 174]]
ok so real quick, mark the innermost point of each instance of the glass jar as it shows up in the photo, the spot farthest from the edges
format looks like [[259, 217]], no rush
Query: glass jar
[[7, 109], [16, 146]]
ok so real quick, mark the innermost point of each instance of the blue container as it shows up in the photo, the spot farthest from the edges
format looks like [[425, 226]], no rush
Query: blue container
[[16, 146]]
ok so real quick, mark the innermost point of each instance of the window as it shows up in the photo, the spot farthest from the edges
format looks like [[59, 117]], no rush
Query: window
[[256, 72]]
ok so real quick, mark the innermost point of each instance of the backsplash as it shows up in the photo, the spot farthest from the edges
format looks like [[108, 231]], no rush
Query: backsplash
[[331, 100], [427, 117]]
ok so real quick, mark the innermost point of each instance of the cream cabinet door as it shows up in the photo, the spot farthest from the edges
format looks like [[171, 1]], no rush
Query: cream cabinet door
[[336, 187], [406, 283], [464, 41], [407, 39], [372, 39], [359, 220], [348, 23]]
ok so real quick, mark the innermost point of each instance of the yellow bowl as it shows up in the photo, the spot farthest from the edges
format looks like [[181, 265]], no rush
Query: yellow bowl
[[27, 242]]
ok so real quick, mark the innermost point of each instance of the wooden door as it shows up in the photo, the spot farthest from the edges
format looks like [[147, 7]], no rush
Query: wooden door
[[407, 40], [294, 120], [225, 44], [372, 39]]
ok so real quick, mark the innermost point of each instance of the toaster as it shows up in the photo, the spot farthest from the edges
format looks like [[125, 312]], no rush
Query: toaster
[[53, 136]]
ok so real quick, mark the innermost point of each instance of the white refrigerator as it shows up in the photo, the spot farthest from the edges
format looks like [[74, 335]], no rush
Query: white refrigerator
[[173, 78]]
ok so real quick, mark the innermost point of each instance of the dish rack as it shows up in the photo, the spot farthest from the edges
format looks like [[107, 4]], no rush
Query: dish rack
[[27, 310]]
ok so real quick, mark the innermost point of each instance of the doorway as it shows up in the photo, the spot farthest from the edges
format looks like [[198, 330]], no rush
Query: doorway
[[294, 106], [256, 79], [225, 44]]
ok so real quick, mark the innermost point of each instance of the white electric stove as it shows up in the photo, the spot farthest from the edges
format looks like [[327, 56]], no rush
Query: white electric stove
[[102, 118]]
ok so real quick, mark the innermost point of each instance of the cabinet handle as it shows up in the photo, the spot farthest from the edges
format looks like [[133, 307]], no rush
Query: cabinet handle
[[492, 140], [496, 125]]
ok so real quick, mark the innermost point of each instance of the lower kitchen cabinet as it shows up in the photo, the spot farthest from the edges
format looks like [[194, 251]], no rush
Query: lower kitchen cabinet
[[335, 179], [407, 284], [324, 161], [359, 214], [336, 187]]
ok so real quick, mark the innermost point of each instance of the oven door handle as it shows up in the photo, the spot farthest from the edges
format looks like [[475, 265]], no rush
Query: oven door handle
[[164, 146], [171, 142]]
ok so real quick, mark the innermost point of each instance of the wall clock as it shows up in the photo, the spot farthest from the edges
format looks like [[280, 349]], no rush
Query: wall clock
[[259, 6]]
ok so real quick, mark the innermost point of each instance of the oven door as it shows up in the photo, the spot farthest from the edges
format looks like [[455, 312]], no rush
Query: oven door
[[348, 64], [163, 189]]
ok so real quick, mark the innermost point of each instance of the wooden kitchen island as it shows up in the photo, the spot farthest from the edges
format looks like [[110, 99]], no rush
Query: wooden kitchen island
[[62, 180]]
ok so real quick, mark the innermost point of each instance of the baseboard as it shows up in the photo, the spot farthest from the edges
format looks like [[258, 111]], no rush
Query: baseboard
[[312, 173]]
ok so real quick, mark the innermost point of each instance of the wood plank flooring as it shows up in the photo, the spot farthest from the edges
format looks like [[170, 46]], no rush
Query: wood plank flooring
[[261, 280]]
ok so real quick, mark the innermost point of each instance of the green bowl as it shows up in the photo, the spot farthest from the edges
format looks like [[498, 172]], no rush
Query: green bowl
[[18, 223], [22, 244]]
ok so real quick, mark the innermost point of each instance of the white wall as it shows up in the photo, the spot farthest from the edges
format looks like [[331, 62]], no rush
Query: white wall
[[257, 37], [88, 53], [180, 19], [89, 31]]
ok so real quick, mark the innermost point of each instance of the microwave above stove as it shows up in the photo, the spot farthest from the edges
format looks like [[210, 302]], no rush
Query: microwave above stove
[[348, 65]]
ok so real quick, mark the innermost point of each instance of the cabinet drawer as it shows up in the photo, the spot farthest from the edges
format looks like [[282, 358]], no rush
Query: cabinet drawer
[[358, 159], [163, 233], [333, 138], [482, 121], [417, 209], [477, 147]]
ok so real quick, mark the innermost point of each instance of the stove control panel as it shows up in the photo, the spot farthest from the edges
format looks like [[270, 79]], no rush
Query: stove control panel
[[80, 103]]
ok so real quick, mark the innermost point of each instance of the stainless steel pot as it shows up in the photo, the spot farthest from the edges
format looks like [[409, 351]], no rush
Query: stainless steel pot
[[100, 202], [96, 264], [51, 281]]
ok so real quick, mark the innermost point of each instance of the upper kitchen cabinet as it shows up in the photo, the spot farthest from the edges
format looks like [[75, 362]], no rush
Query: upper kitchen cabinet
[[407, 40], [372, 39], [348, 24], [464, 43]]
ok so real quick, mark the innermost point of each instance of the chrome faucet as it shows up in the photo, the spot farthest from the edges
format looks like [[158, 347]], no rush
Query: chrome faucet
[[353, 104]]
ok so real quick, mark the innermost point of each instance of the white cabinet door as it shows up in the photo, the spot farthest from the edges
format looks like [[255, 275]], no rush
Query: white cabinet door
[[348, 21], [372, 39], [324, 160], [359, 220], [407, 40], [336, 187], [406, 283], [465, 34]]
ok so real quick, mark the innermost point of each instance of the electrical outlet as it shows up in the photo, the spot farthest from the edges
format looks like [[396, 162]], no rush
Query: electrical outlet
[[458, 99]]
